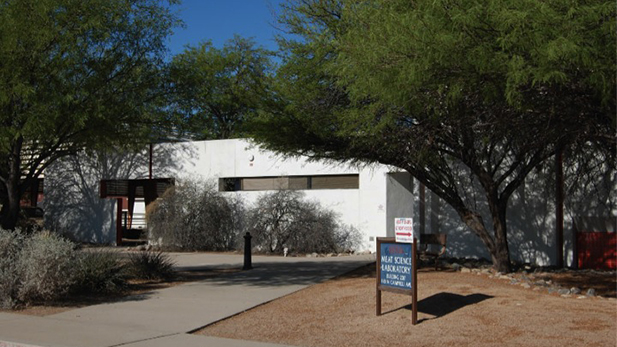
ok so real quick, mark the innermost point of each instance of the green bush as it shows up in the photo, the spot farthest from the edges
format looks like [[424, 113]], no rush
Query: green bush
[[150, 265], [99, 272], [45, 267]]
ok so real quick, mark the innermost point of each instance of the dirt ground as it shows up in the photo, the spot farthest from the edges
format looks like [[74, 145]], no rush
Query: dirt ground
[[454, 309]]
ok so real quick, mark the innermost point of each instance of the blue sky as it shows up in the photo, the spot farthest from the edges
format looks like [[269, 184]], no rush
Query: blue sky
[[219, 20]]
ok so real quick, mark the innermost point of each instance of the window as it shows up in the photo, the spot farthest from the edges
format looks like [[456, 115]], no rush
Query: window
[[335, 182], [289, 182]]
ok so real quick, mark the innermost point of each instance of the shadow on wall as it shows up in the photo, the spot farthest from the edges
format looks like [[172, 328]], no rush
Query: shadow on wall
[[530, 215], [72, 203]]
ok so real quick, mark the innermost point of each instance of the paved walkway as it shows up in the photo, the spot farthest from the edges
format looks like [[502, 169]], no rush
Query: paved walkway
[[166, 317]]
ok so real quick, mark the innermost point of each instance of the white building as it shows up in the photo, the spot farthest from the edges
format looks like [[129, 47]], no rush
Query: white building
[[367, 197]]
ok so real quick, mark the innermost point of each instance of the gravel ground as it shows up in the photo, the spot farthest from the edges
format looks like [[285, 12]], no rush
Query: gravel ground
[[454, 309]]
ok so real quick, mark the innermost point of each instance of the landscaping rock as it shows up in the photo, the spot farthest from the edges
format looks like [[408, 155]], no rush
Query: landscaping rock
[[591, 292], [575, 290], [563, 291]]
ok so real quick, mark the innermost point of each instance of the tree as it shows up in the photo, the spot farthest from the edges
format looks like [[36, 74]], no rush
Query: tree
[[215, 90], [74, 75], [467, 96]]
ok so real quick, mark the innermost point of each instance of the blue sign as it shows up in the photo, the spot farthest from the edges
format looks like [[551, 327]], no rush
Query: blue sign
[[396, 265]]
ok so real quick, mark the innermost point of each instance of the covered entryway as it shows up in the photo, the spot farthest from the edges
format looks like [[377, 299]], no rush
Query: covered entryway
[[127, 191]]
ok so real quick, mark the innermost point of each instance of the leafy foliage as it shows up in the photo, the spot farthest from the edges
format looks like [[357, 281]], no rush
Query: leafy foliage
[[215, 90], [467, 96], [75, 75]]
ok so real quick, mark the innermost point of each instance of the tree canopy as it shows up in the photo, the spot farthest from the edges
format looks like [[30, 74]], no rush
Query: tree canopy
[[215, 90], [74, 75], [467, 96]]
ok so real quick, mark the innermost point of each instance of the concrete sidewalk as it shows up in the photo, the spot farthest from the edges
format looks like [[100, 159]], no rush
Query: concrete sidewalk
[[166, 317]]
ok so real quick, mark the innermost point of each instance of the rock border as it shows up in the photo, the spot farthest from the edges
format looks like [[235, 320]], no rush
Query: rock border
[[526, 276]]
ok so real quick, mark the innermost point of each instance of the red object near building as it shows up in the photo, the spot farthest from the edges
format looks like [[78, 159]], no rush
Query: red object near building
[[597, 250]]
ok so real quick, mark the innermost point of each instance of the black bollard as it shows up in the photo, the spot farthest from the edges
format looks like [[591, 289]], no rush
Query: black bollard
[[247, 252]]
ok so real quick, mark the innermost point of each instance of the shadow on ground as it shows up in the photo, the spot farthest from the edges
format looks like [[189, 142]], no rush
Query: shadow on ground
[[273, 274], [442, 304]]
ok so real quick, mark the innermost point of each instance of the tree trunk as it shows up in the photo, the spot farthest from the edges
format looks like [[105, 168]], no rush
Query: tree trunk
[[10, 208], [9, 214], [501, 258], [497, 246]]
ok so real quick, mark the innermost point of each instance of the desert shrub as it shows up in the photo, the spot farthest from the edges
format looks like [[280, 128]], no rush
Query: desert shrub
[[285, 219], [347, 237], [99, 272], [195, 216], [150, 265], [10, 247], [45, 267]]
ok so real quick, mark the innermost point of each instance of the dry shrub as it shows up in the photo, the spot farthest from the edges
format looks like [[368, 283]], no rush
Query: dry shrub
[[195, 216], [45, 267], [99, 271], [10, 246], [149, 265], [284, 219]]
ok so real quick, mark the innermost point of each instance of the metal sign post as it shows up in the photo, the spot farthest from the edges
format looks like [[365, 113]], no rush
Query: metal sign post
[[397, 272]]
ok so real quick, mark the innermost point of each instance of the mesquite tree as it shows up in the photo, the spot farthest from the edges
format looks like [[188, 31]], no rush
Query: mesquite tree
[[467, 96], [74, 75]]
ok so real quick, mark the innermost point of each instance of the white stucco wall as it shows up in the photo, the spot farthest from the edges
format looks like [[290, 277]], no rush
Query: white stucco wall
[[73, 207], [530, 217], [365, 208], [81, 214], [400, 200], [72, 204]]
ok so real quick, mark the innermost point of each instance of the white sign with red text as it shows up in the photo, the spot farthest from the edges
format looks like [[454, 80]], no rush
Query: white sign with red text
[[403, 230]]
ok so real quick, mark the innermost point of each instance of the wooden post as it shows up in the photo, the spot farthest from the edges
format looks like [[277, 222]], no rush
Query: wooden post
[[119, 234], [414, 280], [150, 161], [378, 273], [559, 206]]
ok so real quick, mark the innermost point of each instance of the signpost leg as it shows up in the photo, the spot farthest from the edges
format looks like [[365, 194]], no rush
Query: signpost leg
[[414, 281], [378, 273]]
